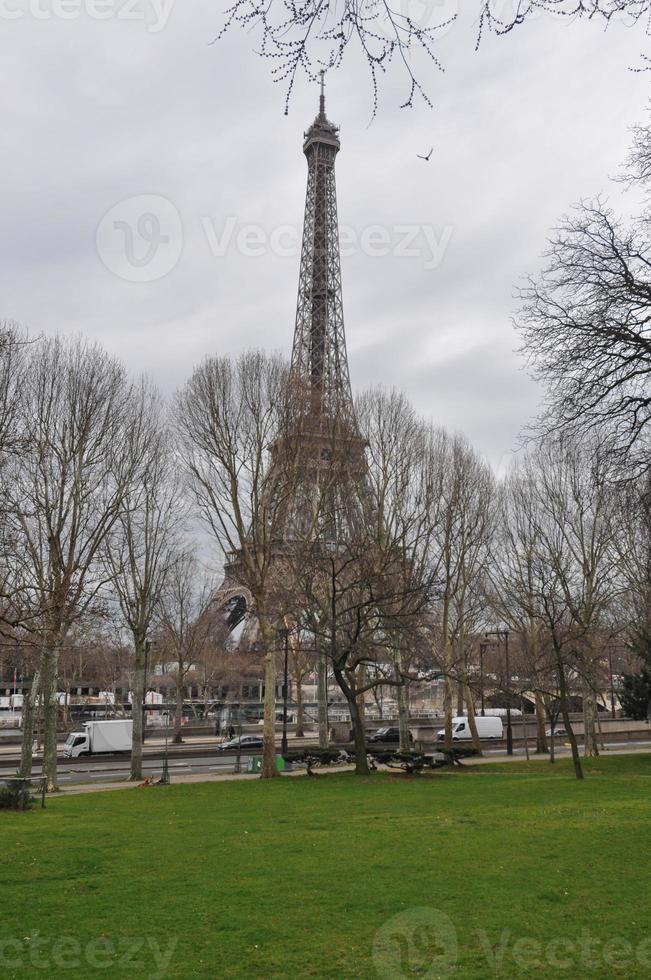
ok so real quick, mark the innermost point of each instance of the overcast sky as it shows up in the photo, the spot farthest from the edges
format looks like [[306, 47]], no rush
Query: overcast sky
[[135, 117]]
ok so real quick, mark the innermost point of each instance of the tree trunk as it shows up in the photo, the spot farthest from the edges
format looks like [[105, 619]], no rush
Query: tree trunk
[[361, 698], [359, 737], [447, 707], [590, 747], [322, 700], [49, 664], [459, 698], [269, 767], [29, 711], [562, 689], [177, 737], [137, 698], [541, 738], [472, 723], [602, 744], [300, 709], [402, 696]]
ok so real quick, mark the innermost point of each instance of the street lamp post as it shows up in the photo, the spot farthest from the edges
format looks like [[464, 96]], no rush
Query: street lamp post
[[144, 690], [612, 685], [284, 635], [238, 754], [504, 635], [482, 649], [165, 775], [509, 729]]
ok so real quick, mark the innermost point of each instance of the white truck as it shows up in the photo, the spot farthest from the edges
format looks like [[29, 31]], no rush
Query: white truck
[[486, 728], [100, 736]]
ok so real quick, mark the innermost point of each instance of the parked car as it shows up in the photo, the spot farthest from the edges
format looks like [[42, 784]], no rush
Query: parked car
[[245, 743], [387, 734], [557, 731]]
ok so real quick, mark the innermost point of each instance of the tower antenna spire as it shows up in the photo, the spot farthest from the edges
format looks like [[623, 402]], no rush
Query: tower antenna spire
[[322, 96]]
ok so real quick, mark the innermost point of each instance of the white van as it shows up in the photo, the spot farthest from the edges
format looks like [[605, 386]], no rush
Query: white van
[[486, 728]]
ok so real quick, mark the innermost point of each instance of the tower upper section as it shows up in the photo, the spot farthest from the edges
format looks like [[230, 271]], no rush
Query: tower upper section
[[319, 359]]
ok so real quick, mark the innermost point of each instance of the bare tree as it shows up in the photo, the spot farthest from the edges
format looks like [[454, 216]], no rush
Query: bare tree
[[304, 38], [13, 358], [361, 575], [13, 344], [530, 582], [633, 548], [141, 546], [585, 324], [184, 624], [229, 416], [578, 500], [81, 451], [555, 576], [462, 531], [302, 664]]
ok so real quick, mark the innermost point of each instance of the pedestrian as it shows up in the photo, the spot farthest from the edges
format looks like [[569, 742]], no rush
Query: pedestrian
[[231, 731]]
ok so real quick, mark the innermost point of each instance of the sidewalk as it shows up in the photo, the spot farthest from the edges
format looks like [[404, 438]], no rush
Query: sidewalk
[[199, 777]]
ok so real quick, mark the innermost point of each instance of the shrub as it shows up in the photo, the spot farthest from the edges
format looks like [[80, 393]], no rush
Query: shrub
[[15, 795]]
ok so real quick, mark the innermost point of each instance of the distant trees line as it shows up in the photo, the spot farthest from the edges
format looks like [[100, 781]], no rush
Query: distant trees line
[[388, 579]]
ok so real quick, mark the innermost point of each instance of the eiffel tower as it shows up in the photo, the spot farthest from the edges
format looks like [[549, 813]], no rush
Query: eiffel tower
[[319, 360], [321, 421], [321, 428]]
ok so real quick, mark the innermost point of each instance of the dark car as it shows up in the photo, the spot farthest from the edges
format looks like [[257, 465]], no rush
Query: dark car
[[388, 734], [245, 743]]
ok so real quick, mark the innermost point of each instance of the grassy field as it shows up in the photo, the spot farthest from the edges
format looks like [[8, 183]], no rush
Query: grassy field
[[500, 871]]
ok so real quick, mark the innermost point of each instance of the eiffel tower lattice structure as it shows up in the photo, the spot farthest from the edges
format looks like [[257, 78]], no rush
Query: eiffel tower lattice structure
[[321, 420]]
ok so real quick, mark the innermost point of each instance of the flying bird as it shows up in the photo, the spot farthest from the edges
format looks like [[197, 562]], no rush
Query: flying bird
[[421, 157]]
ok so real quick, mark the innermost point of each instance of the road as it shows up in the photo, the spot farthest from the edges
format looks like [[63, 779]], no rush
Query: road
[[197, 755], [202, 757], [108, 767]]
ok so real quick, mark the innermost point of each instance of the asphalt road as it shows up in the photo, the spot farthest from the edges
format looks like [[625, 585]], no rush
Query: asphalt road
[[108, 767], [197, 759]]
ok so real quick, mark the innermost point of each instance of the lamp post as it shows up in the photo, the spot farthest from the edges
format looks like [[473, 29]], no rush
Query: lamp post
[[284, 636], [238, 751], [612, 685], [504, 635], [165, 775], [482, 649], [144, 689]]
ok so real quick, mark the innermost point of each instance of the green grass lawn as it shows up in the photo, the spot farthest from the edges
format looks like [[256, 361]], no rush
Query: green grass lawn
[[524, 870]]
